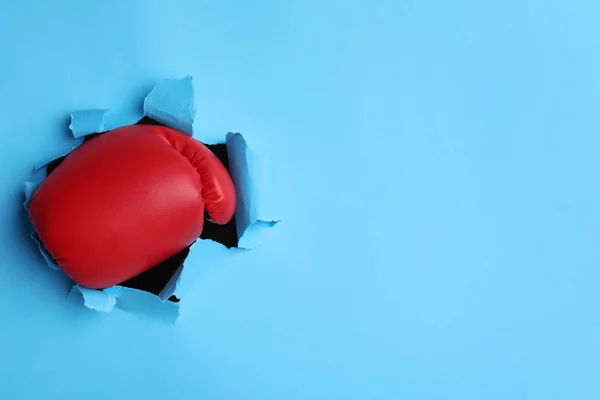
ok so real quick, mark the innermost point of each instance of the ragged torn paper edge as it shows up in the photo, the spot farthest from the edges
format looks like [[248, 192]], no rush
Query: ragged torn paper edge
[[171, 102], [256, 207]]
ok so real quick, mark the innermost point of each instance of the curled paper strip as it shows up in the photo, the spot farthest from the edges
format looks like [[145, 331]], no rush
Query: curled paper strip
[[171, 103], [255, 211], [86, 122]]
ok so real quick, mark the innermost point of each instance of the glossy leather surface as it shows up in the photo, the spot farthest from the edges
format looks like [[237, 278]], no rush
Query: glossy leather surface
[[128, 199]]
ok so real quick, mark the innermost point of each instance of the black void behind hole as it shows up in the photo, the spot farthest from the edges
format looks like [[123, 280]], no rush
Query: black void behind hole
[[156, 278]]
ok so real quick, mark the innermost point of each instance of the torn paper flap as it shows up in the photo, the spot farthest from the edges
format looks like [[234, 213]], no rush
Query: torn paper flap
[[86, 122], [89, 122], [57, 155], [127, 299], [256, 209], [47, 257], [99, 300], [204, 257], [171, 285], [29, 189], [148, 305], [171, 103]]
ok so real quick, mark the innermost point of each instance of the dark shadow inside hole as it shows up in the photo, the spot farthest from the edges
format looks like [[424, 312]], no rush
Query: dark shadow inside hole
[[155, 279]]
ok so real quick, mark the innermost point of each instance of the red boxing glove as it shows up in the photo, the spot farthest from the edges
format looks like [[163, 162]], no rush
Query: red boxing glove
[[127, 200]]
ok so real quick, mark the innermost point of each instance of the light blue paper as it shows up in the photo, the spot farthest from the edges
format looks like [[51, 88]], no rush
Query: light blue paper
[[171, 102], [99, 300], [255, 212], [47, 257], [171, 285], [29, 189], [202, 259], [146, 304], [89, 122], [57, 155], [86, 122], [127, 299]]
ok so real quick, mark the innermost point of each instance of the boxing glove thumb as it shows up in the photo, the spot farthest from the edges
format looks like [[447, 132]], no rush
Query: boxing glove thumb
[[217, 187]]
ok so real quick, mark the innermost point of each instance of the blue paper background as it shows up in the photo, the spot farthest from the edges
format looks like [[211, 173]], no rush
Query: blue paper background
[[438, 164]]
